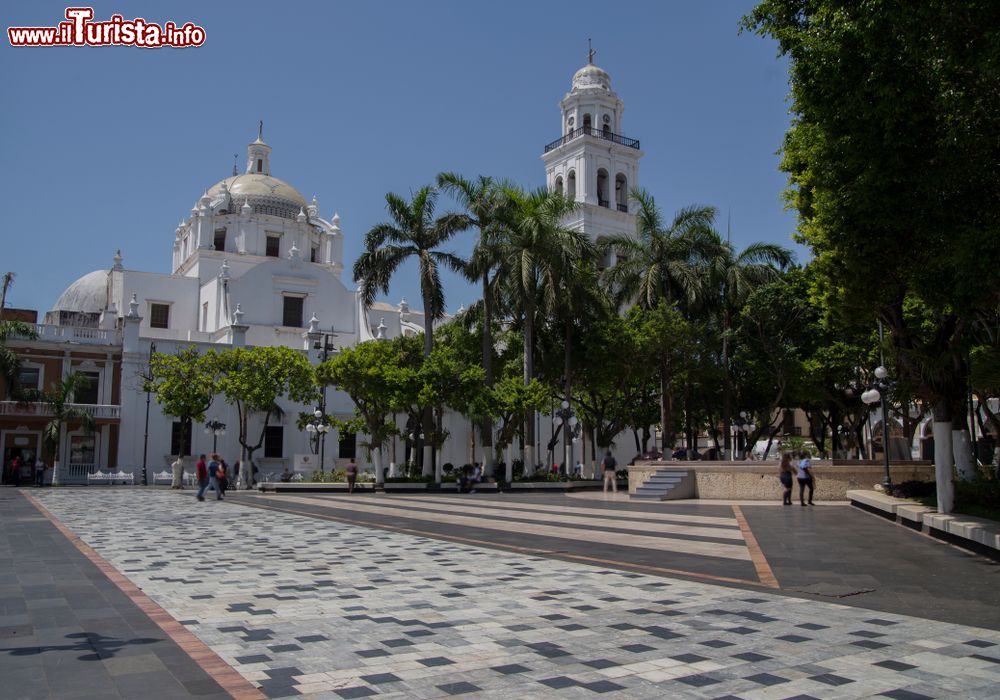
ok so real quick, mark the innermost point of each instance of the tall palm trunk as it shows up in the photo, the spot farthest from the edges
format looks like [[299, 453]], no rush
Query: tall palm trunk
[[486, 428], [568, 374], [528, 447], [666, 412], [428, 412], [727, 389]]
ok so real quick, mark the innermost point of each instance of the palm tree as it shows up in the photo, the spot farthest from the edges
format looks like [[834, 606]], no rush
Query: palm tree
[[10, 361], [487, 208], [732, 277], [64, 412], [538, 247], [413, 232], [661, 264]]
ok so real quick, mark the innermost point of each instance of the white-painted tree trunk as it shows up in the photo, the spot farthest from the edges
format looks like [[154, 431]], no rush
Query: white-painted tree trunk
[[377, 459], [529, 460], [961, 446], [177, 479], [510, 464], [438, 467], [943, 457]]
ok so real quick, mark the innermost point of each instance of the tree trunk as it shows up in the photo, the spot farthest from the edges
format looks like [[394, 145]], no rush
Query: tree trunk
[[377, 459], [727, 389], [568, 389], [486, 427], [666, 426], [961, 444], [528, 446], [943, 456]]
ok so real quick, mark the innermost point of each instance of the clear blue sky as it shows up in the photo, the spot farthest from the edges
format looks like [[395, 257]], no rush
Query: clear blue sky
[[106, 148]]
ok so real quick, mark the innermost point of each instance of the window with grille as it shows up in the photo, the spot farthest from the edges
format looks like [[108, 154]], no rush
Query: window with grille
[[273, 244], [159, 315], [292, 312], [348, 446], [178, 434], [88, 392], [274, 438]]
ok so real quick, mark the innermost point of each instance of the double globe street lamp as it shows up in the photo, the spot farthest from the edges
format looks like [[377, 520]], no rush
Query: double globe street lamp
[[317, 427], [215, 428], [744, 427], [876, 393]]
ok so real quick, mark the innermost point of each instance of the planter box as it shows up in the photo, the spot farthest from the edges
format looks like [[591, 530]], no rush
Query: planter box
[[406, 486], [561, 486], [313, 487]]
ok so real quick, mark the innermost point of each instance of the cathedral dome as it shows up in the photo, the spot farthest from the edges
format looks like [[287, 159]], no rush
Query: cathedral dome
[[266, 194], [590, 76], [89, 294]]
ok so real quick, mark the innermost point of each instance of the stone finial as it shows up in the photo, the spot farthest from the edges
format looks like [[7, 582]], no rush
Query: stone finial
[[461, 309], [293, 252], [336, 220], [246, 209], [313, 324], [301, 216], [238, 316], [118, 260], [133, 307], [380, 329], [224, 270], [404, 310]]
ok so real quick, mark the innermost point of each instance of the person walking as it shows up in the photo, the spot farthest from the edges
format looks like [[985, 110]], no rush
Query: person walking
[[608, 464], [785, 475], [201, 473], [352, 475], [805, 477], [39, 472], [214, 466], [223, 476]]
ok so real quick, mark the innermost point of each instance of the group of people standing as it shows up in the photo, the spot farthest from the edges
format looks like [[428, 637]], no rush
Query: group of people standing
[[13, 473], [212, 474], [802, 466]]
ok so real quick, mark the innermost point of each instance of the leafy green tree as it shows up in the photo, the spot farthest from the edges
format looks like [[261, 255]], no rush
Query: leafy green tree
[[892, 159], [253, 380], [184, 384], [375, 378], [64, 413], [510, 399]]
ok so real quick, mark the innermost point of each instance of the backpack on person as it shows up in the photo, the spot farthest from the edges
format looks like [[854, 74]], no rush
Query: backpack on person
[[609, 463]]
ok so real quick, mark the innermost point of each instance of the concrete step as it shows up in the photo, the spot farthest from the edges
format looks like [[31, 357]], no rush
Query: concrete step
[[664, 485]]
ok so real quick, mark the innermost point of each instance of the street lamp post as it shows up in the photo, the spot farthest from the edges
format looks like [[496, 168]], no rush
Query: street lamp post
[[317, 427], [145, 437], [326, 345], [215, 428], [876, 393], [567, 419], [744, 426]]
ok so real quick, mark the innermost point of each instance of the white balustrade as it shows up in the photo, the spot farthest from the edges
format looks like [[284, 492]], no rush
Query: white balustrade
[[98, 411]]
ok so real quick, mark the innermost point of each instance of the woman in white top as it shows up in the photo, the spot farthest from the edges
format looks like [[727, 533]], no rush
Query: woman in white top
[[805, 477]]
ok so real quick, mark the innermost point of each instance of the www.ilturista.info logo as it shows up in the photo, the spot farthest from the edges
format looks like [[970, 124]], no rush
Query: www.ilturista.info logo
[[79, 30]]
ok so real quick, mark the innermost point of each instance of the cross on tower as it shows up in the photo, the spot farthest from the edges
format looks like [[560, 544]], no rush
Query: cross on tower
[[260, 130], [590, 52]]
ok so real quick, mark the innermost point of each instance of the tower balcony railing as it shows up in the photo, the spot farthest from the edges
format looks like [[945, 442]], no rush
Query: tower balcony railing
[[596, 133], [81, 335], [40, 409]]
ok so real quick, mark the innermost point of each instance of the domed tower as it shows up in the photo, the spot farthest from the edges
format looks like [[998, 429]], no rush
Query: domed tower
[[592, 162]]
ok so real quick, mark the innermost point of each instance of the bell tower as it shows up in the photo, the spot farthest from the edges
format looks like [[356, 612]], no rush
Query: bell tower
[[592, 162]]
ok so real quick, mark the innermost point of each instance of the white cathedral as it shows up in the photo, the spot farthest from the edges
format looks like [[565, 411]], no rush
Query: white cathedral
[[255, 264]]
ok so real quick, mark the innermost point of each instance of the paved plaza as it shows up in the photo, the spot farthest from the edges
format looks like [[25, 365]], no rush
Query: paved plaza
[[499, 596]]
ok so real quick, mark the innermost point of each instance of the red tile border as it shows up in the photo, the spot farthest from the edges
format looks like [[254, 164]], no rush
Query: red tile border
[[764, 572], [199, 652]]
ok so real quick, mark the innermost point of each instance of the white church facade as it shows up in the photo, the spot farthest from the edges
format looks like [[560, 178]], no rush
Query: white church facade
[[255, 264]]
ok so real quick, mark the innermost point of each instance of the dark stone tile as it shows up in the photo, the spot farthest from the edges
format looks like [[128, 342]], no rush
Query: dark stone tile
[[459, 688], [393, 643], [716, 643], [377, 678], [508, 669], [868, 644], [435, 661], [831, 679], [600, 663], [903, 694], [982, 657], [979, 643], [880, 622], [767, 679], [637, 648], [279, 648], [894, 665], [751, 656], [371, 653], [689, 658], [253, 659], [602, 686], [356, 691], [558, 682], [794, 638], [698, 680]]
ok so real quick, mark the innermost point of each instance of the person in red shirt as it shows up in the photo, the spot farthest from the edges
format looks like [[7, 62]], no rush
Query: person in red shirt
[[201, 472]]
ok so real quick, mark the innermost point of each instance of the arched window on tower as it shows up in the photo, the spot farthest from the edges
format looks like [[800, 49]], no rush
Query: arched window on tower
[[586, 123], [621, 192], [571, 185], [607, 126], [602, 188], [559, 184], [260, 165]]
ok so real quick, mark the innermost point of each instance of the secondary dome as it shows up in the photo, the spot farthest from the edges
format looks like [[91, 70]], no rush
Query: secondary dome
[[590, 76], [89, 294], [266, 194]]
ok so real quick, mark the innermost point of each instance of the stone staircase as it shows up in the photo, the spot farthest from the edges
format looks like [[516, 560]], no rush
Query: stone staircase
[[665, 485]]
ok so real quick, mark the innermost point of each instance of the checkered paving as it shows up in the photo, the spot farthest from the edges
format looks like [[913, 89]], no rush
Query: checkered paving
[[302, 606]]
